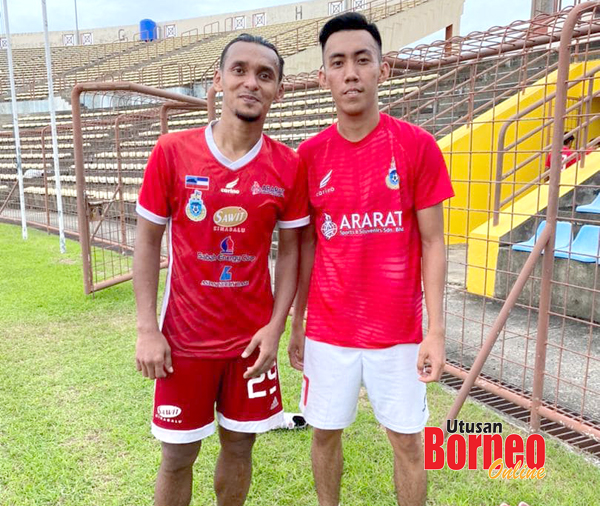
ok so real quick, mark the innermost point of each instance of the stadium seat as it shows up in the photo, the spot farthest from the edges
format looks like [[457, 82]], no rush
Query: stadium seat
[[561, 241], [592, 207], [584, 247]]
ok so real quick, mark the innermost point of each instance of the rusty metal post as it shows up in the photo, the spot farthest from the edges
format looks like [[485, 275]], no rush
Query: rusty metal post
[[164, 120], [82, 215]]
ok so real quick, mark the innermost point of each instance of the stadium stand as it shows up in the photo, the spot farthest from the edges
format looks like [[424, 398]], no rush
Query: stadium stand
[[164, 63], [488, 99]]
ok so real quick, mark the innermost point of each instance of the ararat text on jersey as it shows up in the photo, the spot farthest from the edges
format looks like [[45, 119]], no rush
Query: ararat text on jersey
[[371, 220]]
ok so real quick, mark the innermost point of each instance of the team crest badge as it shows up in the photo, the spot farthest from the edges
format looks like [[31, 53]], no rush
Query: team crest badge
[[195, 209], [329, 228], [392, 180]]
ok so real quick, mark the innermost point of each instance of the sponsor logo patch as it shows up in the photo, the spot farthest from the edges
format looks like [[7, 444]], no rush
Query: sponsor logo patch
[[325, 181], [166, 411], [266, 189], [230, 216], [323, 189], [225, 280], [231, 187], [363, 223], [227, 247], [329, 228]]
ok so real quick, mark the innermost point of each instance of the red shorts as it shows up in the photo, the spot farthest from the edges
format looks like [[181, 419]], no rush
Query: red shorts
[[184, 402]]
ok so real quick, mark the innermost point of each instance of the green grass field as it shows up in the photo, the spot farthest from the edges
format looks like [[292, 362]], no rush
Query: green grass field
[[74, 413]]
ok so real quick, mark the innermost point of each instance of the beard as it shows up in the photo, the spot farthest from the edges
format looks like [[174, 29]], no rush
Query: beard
[[247, 117]]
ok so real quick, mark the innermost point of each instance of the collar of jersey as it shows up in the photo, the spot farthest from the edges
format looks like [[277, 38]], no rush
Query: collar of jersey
[[222, 159]]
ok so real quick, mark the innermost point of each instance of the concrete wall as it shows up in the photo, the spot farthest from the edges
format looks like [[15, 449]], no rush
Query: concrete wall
[[397, 31], [414, 24], [573, 291], [35, 106], [221, 22]]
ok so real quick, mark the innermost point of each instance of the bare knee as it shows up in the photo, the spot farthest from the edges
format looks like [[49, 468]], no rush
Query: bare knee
[[327, 438], [236, 444], [406, 446], [179, 457]]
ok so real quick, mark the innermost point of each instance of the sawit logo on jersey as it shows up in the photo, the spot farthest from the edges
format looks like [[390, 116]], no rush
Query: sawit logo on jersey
[[367, 223], [225, 280], [195, 209], [226, 254], [230, 187], [323, 189], [266, 189], [227, 219]]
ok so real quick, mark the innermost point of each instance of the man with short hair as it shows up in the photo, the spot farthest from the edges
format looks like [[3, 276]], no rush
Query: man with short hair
[[221, 190], [376, 187]]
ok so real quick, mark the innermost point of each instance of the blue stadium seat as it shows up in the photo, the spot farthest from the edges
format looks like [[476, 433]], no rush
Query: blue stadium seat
[[592, 207], [561, 241], [584, 247]]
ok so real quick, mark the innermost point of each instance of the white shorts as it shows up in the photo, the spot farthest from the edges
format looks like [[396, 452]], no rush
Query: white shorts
[[333, 376]]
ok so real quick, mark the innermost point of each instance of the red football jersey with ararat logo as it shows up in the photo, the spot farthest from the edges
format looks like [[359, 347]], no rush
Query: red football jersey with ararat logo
[[366, 283], [221, 216]]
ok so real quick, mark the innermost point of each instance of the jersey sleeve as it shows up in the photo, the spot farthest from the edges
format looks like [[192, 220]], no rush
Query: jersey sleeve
[[153, 200], [295, 213], [432, 184]]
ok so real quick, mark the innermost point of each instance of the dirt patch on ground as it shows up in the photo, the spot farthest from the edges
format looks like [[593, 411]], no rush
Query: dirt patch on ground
[[66, 261]]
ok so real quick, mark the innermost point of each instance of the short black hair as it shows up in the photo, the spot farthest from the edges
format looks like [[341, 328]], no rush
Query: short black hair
[[349, 21], [256, 39], [568, 139]]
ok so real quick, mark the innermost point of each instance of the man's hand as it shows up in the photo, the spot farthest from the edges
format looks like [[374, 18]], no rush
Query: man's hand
[[153, 354], [267, 340], [296, 347], [432, 357]]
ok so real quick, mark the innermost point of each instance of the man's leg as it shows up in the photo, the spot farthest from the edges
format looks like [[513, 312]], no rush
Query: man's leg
[[399, 401], [174, 481], [410, 476], [327, 463], [234, 467], [332, 379]]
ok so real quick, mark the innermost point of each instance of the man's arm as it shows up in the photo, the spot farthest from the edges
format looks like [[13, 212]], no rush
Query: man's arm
[[152, 352], [286, 278], [307, 258], [432, 354]]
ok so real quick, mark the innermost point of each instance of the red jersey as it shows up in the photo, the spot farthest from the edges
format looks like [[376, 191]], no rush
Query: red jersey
[[566, 152], [365, 288], [220, 217]]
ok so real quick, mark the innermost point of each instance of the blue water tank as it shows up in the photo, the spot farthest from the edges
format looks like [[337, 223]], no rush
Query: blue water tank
[[148, 30]]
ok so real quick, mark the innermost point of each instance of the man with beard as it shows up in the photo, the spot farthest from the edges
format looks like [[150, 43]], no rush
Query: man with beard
[[220, 190]]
